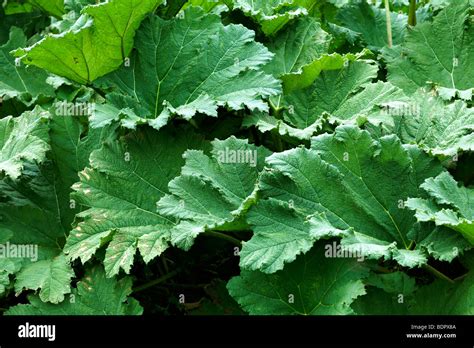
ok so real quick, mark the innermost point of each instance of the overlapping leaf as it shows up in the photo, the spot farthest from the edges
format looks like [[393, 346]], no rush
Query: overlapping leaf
[[121, 188], [344, 95], [425, 120], [213, 191], [272, 15], [97, 44], [347, 185], [371, 23], [449, 205], [311, 285], [35, 209], [23, 139], [19, 81], [298, 51], [53, 7], [186, 66], [95, 295], [438, 298], [423, 60], [52, 276]]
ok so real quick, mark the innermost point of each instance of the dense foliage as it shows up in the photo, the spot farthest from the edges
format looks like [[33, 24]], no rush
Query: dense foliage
[[236, 157]]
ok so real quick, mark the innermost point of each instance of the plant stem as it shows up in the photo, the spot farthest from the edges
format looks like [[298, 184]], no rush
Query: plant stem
[[389, 24], [156, 281], [277, 140], [437, 273], [223, 237], [461, 277], [412, 13]]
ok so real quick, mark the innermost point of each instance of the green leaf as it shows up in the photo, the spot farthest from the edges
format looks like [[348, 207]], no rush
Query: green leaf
[[213, 191], [209, 6], [379, 302], [371, 23], [121, 188], [8, 266], [52, 276], [312, 285], [297, 50], [425, 120], [35, 217], [95, 295], [423, 60], [393, 283], [272, 15], [71, 145], [24, 83], [53, 7], [444, 298], [97, 44], [347, 185], [186, 66], [343, 96], [23, 139], [449, 205]]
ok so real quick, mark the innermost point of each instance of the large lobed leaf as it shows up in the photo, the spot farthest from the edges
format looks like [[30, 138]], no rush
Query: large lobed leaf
[[23, 139], [371, 23], [425, 120], [35, 209], [449, 205], [19, 81], [186, 66], [347, 185], [121, 189], [343, 95], [311, 285], [97, 43], [213, 192], [272, 15], [423, 60], [95, 295]]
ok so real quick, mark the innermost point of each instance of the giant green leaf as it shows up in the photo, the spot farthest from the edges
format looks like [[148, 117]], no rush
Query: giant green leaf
[[23, 139], [371, 23], [343, 95], [212, 192], [31, 213], [272, 15], [53, 276], [71, 145], [95, 295], [121, 188], [449, 205], [311, 285], [37, 210], [19, 81], [438, 298], [186, 66], [443, 298], [298, 50], [425, 120], [438, 53], [97, 44], [347, 185]]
